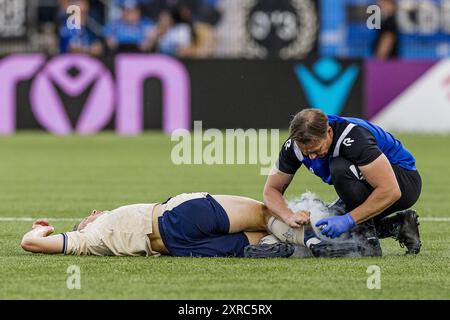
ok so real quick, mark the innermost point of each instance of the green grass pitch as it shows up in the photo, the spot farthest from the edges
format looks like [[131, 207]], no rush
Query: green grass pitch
[[47, 176]]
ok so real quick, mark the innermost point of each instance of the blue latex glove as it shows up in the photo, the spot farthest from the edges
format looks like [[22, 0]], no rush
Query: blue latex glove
[[336, 225]]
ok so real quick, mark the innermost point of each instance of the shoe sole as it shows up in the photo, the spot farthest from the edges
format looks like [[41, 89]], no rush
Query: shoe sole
[[277, 250]]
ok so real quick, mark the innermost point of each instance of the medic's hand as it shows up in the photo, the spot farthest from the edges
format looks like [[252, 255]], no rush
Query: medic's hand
[[336, 225]]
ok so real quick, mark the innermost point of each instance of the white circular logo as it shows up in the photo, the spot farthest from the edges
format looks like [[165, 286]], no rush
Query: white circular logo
[[287, 29]]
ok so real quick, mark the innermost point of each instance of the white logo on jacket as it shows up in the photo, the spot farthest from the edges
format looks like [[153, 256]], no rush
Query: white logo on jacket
[[287, 145], [348, 142]]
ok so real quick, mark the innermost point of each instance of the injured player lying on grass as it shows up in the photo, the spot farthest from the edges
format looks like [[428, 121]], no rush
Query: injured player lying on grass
[[200, 225]]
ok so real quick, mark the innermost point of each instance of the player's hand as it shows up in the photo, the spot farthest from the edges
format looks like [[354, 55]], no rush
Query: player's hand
[[43, 228], [48, 230], [40, 223], [336, 225], [298, 219]]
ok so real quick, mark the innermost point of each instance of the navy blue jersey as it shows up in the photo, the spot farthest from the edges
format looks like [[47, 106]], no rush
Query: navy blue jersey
[[356, 140]]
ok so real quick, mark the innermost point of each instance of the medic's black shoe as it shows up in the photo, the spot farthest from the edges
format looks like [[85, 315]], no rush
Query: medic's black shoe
[[403, 227]]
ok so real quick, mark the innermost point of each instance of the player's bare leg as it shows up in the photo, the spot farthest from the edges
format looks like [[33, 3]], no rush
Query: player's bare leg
[[255, 237], [245, 214]]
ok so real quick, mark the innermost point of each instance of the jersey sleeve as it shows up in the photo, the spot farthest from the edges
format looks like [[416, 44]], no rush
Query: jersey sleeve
[[288, 161], [74, 243], [359, 146], [72, 249]]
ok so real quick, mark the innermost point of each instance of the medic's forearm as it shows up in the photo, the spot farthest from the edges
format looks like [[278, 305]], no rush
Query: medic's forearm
[[379, 200], [276, 203]]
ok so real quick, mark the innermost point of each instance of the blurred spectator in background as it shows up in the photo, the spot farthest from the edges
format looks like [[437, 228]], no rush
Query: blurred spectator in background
[[131, 32], [47, 13], [386, 40], [204, 41], [176, 31], [153, 8], [185, 28], [82, 40]]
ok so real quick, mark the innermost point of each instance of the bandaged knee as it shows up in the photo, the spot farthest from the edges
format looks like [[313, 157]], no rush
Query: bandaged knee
[[286, 233]]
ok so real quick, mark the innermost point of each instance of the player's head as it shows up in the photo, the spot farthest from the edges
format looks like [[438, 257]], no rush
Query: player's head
[[89, 219], [387, 7], [131, 12], [310, 131]]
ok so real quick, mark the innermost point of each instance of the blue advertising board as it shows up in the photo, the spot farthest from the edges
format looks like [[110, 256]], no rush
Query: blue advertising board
[[424, 27]]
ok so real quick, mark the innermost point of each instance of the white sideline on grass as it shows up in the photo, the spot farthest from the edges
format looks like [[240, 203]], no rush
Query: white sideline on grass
[[424, 219]]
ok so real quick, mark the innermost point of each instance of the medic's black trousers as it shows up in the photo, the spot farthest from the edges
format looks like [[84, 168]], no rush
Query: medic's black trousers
[[354, 190]]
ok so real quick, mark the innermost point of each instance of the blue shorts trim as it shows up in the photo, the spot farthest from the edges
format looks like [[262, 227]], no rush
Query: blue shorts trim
[[199, 228]]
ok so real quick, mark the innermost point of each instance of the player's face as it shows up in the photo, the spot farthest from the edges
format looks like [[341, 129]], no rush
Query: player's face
[[318, 148]]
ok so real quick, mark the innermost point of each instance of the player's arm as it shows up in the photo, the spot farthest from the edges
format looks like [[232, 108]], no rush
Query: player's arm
[[38, 239], [387, 41], [277, 183], [380, 175]]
